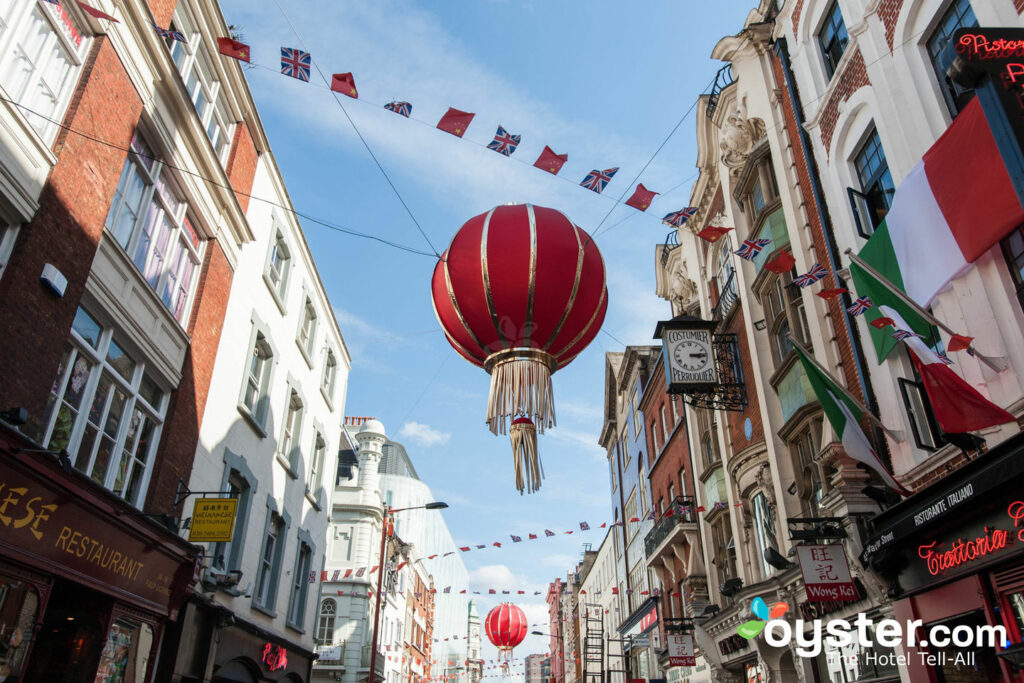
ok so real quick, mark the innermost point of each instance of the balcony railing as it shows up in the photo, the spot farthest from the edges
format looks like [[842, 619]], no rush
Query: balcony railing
[[723, 79], [683, 511], [365, 661], [727, 299], [671, 244]]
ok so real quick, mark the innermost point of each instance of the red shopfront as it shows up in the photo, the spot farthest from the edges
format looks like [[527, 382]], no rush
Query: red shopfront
[[954, 555], [87, 584]]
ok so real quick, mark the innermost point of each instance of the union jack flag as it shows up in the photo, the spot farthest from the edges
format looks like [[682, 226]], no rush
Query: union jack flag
[[816, 272], [900, 335], [859, 306], [677, 218], [162, 32], [584, 526], [400, 108], [295, 63], [598, 180], [504, 142], [751, 248], [517, 539]]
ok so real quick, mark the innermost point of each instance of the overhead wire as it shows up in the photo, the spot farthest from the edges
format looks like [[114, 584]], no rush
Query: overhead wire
[[215, 183]]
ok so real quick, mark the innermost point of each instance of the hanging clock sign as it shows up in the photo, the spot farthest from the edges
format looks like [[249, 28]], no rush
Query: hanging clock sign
[[689, 353]]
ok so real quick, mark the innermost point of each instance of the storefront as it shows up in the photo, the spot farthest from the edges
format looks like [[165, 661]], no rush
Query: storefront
[[637, 632], [88, 585], [954, 556]]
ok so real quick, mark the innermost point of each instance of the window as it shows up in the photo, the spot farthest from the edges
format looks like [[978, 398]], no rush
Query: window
[[288, 446], [270, 562], [148, 217], [664, 423], [726, 282], [764, 520], [300, 586], [228, 555], [325, 627], [1013, 251], [629, 513], [675, 410], [256, 392], [634, 402], [922, 421], [204, 90], [105, 409], [41, 54], [307, 329], [654, 439], [316, 464], [833, 38], [278, 265], [8, 235], [330, 373], [804, 447], [876, 186], [785, 315], [959, 15]]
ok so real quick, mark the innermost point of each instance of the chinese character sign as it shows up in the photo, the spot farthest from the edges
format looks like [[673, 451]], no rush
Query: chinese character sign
[[680, 649], [826, 573]]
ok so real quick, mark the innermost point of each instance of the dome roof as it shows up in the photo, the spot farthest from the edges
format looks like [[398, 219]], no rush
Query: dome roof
[[372, 427]]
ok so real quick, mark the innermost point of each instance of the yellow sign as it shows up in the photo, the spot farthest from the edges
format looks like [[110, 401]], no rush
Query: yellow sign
[[213, 520]]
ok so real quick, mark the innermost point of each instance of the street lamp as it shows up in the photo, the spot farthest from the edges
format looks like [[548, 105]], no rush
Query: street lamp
[[385, 531]]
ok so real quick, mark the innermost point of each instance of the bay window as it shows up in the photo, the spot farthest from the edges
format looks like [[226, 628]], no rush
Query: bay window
[[105, 410], [41, 56], [148, 218], [764, 521]]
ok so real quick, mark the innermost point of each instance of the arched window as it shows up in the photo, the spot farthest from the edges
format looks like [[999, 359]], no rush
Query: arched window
[[325, 627]]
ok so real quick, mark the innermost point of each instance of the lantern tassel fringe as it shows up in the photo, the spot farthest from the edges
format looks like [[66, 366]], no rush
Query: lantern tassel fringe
[[529, 472], [520, 386]]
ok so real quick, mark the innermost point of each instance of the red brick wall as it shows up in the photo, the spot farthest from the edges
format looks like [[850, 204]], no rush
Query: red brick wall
[[797, 11], [181, 428], [163, 11], [1019, 4], [854, 77], [241, 166], [835, 306], [65, 231], [889, 12], [735, 420]]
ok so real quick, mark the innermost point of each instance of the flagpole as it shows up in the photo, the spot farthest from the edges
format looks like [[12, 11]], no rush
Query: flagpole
[[997, 364], [864, 409]]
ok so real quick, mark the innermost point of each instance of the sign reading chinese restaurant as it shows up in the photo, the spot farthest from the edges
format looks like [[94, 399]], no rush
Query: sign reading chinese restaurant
[[680, 649], [213, 520], [826, 573]]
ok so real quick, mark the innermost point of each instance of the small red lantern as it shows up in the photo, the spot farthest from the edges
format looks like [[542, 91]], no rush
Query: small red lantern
[[520, 292], [506, 627]]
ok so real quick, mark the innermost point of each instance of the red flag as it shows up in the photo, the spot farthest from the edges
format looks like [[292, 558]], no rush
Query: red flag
[[881, 322], [348, 573], [231, 48], [615, 591], [701, 508], [455, 122], [831, 293], [551, 162], [669, 512], [533, 537], [959, 342], [464, 548], [345, 84], [98, 14], [712, 233], [634, 519], [323, 576], [641, 198], [462, 591], [782, 263]]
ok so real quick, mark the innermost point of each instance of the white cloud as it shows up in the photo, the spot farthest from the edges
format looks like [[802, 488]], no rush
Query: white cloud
[[424, 435]]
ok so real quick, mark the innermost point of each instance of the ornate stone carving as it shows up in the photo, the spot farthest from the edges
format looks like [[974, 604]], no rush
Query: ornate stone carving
[[736, 139], [764, 480], [682, 289]]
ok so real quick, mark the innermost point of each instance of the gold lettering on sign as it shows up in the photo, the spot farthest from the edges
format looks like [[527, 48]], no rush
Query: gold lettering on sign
[[98, 553], [34, 513]]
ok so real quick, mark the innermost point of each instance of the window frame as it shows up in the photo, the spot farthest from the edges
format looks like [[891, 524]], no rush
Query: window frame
[[322, 622], [299, 590], [305, 336], [954, 96], [280, 521], [876, 185], [329, 377], [317, 458], [289, 444], [839, 37], [77, 349], [1015, 262], [765, 526], [278, 285], [784, 310], [258, 419], [906, 387]]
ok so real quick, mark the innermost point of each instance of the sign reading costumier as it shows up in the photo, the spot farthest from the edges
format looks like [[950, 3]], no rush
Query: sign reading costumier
[[213, 520]]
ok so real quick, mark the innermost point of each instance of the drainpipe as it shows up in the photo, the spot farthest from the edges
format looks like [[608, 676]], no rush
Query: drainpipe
[[782, 52]]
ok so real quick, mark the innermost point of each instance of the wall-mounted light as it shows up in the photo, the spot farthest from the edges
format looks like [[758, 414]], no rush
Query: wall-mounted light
[[760, 325]]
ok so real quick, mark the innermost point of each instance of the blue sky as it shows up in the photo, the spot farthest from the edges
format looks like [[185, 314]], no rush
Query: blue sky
[[605, 82]]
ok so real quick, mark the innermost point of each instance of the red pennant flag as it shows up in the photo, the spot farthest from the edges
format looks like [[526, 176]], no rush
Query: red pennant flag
[[634, 519], [98, 14], [455, 122], [882, 322], [232, 48], [831, 293], [615, 591], [959, 342], [348, 573], [569, 532], [462, 591], [642, 198], [712, 233], [551, 162], [345, 84], [323, 576], [533, 537], [675, 594], [464, 548], [496, 544], [783, 263], [669, 512], [701, 508]]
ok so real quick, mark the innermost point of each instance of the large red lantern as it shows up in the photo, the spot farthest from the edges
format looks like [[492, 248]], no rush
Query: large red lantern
[[506, 627], [520, 292]]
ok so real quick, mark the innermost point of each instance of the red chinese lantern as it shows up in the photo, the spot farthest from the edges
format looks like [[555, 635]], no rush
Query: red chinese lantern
[[506, 627], [520, 292]]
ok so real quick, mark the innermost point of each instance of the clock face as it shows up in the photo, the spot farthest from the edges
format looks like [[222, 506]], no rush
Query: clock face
[[690, 358]]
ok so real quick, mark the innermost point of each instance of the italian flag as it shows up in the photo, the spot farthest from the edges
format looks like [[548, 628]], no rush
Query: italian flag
[[957, 405], [844, 415], [952, 207]]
